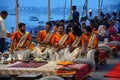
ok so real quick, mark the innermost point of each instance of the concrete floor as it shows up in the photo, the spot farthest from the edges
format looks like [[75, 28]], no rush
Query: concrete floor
[[103, 69]]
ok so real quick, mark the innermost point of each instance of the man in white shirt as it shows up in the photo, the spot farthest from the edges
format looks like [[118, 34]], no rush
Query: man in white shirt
[[90, 17], [103, 31], [3, 31]]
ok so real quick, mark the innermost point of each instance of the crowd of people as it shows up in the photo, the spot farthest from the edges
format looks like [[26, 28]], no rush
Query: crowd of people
[[64, 42]]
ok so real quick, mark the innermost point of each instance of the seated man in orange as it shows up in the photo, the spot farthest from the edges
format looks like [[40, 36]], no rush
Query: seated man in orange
[[72, 51], [44, 37], [89, 42], [93, 45], [43, 33], [89, 45], [93, 42], [84, 42], [21, 41], [59, 42]]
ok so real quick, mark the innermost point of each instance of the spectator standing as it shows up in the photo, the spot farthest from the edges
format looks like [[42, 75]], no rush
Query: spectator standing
[[75, 15], [3, 31]]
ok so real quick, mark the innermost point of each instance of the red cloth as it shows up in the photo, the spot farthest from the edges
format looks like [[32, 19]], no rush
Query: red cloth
[[82, 70], [114, 72], [112, 31], [114, 78], [115, 38], [116, 47], [113, 35], [102, 55], [29, 65]]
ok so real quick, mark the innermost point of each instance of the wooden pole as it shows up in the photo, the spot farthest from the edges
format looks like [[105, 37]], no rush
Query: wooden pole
[[87, 8], [17, 14], [64, 10], [48, 10], [99, 9], [70, 9]]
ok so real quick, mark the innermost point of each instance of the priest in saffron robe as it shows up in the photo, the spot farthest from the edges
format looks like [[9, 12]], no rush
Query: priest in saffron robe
[[59, 42], [72, 51], [44, 38], [21, 41]]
